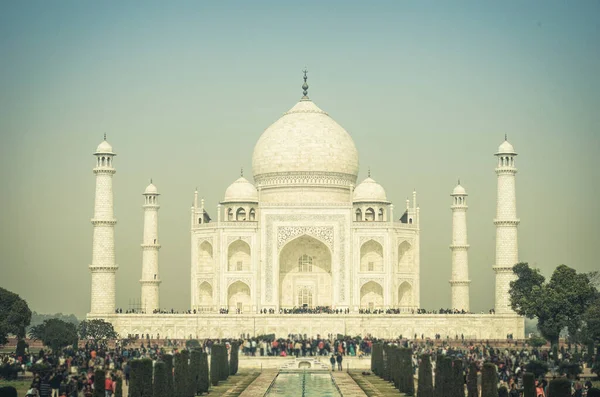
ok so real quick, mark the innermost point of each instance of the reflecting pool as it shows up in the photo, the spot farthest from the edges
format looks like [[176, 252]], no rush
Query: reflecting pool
[[303, 384]]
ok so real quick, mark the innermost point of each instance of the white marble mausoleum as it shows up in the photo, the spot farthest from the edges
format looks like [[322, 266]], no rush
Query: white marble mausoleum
[[305, 233]]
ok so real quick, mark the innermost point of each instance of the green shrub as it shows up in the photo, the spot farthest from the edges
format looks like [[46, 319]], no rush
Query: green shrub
[[489, 381], [409, 380], [168, 360], [203, 380], [425, 382], [135, 378], [502, 391], [528, 385], [181, 381], [458, 380], [192, 344], [195, 357], [21, 346], [11, 371], [160, 380], [233, 359], [438, 378], [560, 387], [119, 387], [472, 390], [224, 363], [537, 368], [214, 366], [99, 377], [537, 341], [386, 367], [569, 369]]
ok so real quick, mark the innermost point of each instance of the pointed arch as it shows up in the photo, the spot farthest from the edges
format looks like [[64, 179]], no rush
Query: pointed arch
[[358, 215], [230, 214], [240, 214], [371, 296], [205, 257], [380, 215], [370, 215], [405, 295], [252, 214], [405, 255], [205, 296], [371, 257], [239, 256], [238, 297]]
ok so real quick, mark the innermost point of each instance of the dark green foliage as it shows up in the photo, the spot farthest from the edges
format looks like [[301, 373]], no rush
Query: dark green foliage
[[233, 358], [377, 364], [21, 346], [181, 380], [590, 353], [489, 381], [160, 380], [192, 344], [168, 360], [99, 377], [438, 378], [560, 387], [386, 367], [425, 383], [11, 371], [569, 369], [55, 333], [214, 366], [96, 329], [447, 380], [502, 391], [472, 381], [537, 368], [15, 315], [203, 380], [119, 387], [224, 363], [8, 391], [408, 375], [537, 341], [458, 380], [555, 353], [195, 357], [135, 381], [528, 385]]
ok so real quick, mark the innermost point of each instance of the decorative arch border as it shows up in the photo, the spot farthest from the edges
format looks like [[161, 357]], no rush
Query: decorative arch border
[[287, 234], [364, 281], [245, 280]]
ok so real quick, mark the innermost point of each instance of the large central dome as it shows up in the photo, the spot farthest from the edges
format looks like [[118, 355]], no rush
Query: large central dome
[[305, 146]]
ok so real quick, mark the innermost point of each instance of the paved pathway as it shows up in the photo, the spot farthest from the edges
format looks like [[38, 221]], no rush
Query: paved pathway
[[347, 385], [260, 385], [374, 386]]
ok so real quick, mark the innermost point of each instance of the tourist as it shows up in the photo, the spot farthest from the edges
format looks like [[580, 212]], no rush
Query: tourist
[[332, 361], [339, 361], [108, 386]]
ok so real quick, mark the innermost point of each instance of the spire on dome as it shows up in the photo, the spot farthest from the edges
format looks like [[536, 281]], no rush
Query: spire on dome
[[105, 136], [242, 171], [305, 85], [369, 173]]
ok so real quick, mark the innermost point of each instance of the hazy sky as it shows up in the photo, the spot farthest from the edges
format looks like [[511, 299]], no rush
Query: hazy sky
[[184, 89]]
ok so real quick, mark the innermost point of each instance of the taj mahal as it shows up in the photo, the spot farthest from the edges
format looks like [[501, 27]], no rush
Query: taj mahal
[[305, 234]]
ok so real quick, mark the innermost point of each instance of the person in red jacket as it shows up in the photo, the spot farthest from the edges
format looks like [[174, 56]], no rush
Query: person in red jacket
[[108, 386]]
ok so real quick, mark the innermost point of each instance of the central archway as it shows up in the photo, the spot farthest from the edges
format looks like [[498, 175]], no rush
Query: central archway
[[305, 277]]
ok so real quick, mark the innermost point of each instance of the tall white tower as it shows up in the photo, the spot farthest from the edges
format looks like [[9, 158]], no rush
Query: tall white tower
[[150, 280], [460, 260], [507, 252], [103, 265]]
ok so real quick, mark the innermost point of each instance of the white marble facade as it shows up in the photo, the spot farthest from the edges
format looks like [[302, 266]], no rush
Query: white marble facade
[[305, 234]]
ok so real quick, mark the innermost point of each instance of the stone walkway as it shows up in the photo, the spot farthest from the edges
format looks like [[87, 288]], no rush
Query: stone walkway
[[347, 385], [374, 386], [261, 384]]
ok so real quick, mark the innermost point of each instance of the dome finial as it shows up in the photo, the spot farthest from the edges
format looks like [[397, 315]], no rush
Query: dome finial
[[150, 180], [305, 85], [369, 173], [105, 136], [506, 137], [459, 181], [242, 171]]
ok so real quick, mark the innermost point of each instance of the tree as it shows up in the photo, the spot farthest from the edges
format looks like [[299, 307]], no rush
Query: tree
[[195, 358], [528, 385], [458, 380], [97, 329], [557, 304], [160, 380], [203, 381], [489, 381], [214, 366], [472, 390], [168, 360], [99, 377], [15, 315], [233, 359], [55, 333], [537, 368], [560, 387], [181, 380], [425, 382]]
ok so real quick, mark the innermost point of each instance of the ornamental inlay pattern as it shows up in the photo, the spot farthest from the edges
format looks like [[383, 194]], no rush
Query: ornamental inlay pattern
[[269, 219], [287, 233]]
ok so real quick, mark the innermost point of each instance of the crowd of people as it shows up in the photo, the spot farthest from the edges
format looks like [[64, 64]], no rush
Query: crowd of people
[[71, 373]]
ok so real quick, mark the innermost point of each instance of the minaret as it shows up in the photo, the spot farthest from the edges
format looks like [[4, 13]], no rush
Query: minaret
[[150, 280], [460, 260], [103, 265], [507, 253]]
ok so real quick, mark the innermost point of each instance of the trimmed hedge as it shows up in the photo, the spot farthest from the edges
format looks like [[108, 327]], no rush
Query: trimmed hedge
[[408, 375], [560, 387], [472, 390], [119, 387], [181, 379], [438, 388], [223, 363], [458, 380], [168, 360], [160, 380], [377, 364], [489, 381], [99, 377], [502, 391], [425, 383], [195, 357], [233, 358], [528, 385], [214, 365], [203, 380]]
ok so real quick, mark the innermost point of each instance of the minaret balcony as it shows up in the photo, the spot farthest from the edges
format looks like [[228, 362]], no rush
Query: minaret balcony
[[150, 246], [104, 170], [103, 222], [459, 246], [506, 222], [103, 268]]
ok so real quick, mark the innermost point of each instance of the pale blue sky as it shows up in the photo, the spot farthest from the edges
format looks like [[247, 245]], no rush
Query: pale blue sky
[[427, 89]]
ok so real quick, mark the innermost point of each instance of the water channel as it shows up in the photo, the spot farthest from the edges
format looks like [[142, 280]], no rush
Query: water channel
[[303, 384]]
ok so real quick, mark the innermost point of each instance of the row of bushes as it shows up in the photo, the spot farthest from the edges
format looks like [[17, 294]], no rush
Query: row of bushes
[[185, 375], [394, 364]]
